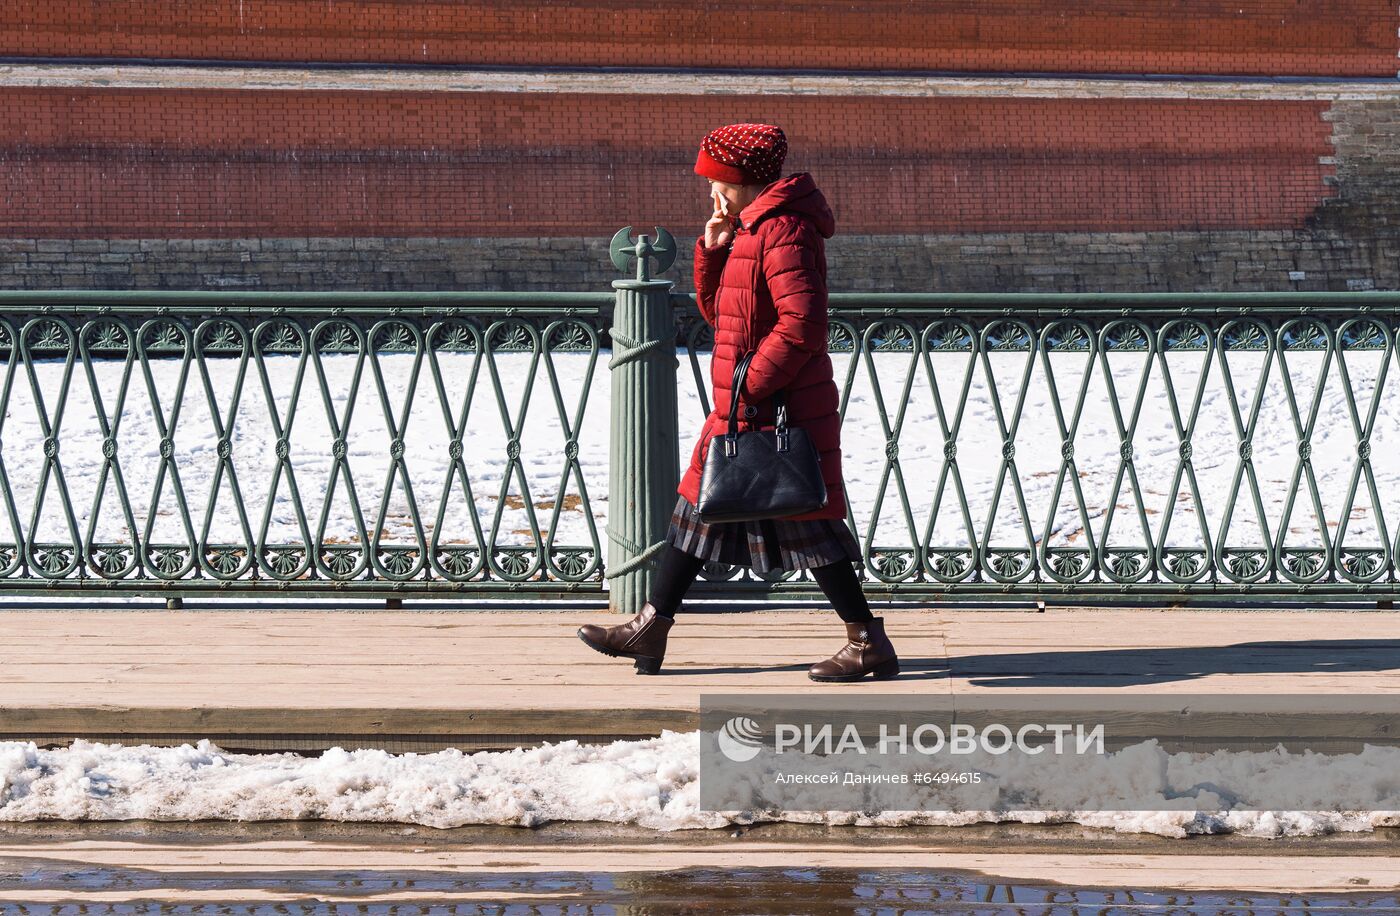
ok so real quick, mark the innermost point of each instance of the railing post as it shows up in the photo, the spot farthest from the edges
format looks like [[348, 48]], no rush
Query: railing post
[[644, 465]]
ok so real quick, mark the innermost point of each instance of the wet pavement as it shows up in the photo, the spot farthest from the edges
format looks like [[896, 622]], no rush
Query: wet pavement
[[204, 875]]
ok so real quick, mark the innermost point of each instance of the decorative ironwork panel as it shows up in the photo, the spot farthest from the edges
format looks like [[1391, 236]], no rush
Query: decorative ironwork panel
[[1100, 448], [311, 444], [1110, 448]]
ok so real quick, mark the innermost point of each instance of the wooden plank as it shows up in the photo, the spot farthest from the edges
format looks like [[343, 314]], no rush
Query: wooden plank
[[394, 674]]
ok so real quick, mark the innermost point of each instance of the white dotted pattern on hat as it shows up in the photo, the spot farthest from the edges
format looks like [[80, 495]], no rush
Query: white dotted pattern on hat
[[756, 148]]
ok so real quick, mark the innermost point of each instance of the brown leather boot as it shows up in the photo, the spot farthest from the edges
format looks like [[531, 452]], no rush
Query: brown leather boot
[[642, 638], [867, 651]]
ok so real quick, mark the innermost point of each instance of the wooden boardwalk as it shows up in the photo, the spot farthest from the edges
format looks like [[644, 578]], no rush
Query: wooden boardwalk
[[412, 680]]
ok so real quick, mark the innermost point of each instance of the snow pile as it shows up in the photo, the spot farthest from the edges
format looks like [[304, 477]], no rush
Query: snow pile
[[652, 783]]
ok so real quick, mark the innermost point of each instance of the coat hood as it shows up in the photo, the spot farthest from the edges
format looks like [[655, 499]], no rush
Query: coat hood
[[795, 193]]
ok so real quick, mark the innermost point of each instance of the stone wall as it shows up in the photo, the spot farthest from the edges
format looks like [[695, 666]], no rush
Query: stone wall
[[1281, 37], [197, 162], [1351, 241], [314, 177]]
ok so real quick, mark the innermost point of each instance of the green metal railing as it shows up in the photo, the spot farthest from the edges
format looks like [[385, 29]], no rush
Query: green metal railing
[[1296, 359], [249, 393], [397, 444]]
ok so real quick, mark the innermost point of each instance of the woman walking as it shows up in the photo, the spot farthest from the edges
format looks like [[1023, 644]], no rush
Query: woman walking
[[760, 281]]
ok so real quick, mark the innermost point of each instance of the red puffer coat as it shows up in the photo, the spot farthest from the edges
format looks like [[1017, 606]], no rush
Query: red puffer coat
[[780, 310]]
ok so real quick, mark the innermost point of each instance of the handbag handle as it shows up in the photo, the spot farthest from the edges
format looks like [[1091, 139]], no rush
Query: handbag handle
[[731, 439]]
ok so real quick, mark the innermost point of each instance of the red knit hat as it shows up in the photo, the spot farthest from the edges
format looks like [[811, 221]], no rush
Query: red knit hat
[[742, 153]]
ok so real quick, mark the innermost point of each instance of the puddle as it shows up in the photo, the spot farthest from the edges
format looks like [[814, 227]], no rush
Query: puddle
[[500, 886], [723, 891]]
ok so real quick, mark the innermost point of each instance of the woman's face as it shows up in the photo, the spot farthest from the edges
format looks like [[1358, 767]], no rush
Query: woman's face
[[737, 196]]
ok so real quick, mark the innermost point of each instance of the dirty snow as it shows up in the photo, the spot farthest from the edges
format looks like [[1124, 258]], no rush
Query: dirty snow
[[651, 783]]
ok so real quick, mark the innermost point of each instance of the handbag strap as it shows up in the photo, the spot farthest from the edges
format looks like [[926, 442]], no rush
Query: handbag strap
[[741, 370]]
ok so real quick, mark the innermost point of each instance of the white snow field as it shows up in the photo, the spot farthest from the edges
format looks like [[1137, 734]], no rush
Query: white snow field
[[542, 439], [654, 783]]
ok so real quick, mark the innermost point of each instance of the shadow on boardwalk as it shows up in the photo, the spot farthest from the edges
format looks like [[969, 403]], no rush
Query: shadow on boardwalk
[[1100, 668]]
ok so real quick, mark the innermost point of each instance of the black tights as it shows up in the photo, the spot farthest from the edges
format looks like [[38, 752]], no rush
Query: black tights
[[678, 570]]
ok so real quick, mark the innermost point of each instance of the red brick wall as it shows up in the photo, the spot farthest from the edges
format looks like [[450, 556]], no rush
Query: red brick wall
[[119, 163], [1275, 37]]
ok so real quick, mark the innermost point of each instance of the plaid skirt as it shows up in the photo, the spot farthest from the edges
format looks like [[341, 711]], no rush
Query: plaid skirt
[[765, 545]]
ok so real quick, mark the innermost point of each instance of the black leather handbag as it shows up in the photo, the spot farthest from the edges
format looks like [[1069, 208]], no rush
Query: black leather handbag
[[760, 473]]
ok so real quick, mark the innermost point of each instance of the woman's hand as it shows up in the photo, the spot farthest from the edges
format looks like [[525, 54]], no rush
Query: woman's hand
[[720, 229]]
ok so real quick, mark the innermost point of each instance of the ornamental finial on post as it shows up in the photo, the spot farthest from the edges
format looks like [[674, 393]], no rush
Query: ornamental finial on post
[[663, 251]]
